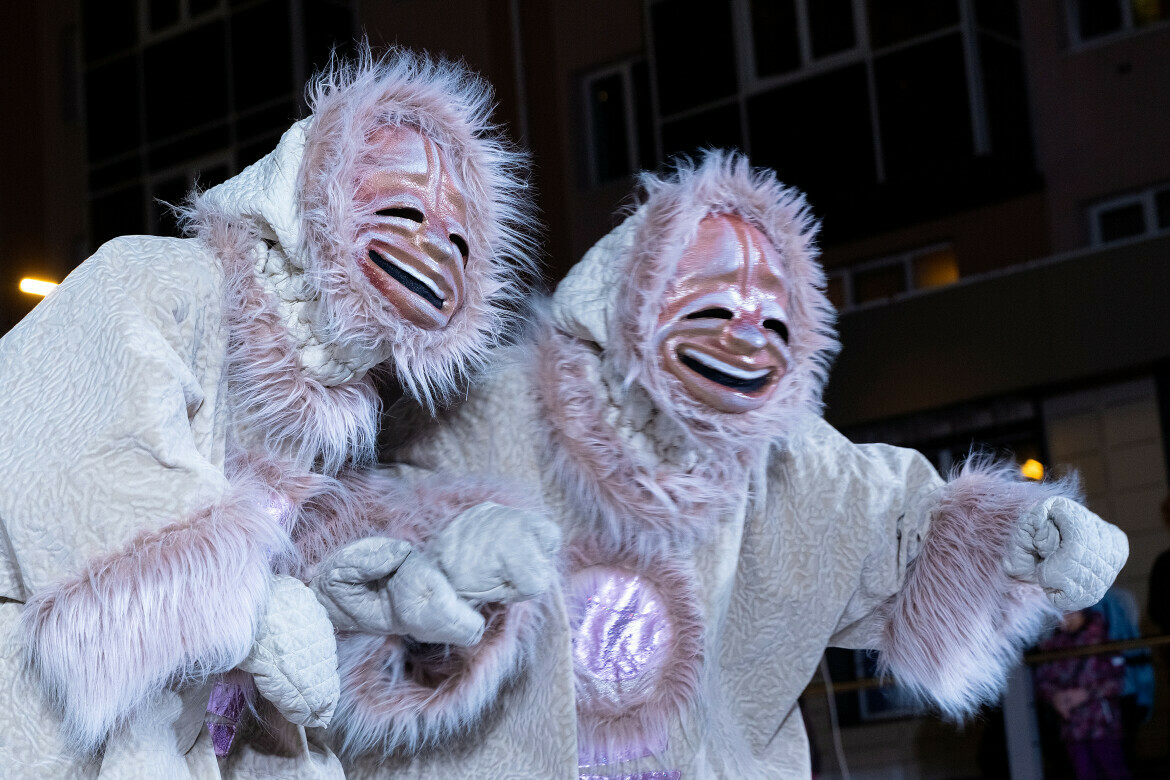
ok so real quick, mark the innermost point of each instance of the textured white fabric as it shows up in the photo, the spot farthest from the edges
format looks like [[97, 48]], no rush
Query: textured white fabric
[[294, 658], [384, 586], [821, 544], [263, 192], [114, 423], [584, 300], [1072, 553], [494, 553]]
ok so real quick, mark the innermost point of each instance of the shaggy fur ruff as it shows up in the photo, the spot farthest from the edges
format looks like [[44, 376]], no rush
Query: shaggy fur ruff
[[629, 497], [173, 607], [291, 410], [624, 497], [608, 733], [285, 409], [398, 694], [956, 628], [350, 101]]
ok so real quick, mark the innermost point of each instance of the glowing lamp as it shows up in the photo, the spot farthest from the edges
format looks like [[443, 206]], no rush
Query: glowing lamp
[[1033, 469], [36, 286]]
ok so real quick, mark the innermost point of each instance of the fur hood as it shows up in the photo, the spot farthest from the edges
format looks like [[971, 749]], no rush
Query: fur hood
[[637, 453], [289, 231]]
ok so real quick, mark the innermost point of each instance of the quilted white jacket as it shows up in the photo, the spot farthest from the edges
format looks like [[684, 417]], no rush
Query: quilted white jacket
[[167, 410], [801, 540]]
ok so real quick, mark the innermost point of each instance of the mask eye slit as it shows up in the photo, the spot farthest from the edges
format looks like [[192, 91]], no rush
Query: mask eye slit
[[414, 215], [460, 244], [779, 328], [712, 314]]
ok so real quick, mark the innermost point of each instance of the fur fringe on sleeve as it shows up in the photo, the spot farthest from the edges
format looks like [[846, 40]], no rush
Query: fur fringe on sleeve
[[397, 694], [958, 625], [176, 605]]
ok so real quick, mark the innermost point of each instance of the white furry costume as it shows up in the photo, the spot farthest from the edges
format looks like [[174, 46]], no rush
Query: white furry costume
[[747, 542], [167, 409]]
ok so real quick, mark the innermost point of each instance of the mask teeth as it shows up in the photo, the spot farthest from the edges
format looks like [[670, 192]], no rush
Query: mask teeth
[[720, 366]]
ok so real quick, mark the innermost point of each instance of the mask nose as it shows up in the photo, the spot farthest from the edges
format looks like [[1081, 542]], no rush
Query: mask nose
[[744, 336], [439, 248]]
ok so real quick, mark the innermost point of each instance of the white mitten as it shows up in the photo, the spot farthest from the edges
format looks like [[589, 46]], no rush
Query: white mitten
[[497, 553], [294, 655], [383, 586], [1069, 551]]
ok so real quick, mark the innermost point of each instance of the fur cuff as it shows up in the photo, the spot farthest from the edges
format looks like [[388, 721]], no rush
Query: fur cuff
[[401, 695], [176, 605], [956, 628]]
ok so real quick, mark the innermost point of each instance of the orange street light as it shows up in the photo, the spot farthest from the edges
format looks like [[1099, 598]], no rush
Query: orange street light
[[1033, 469], [36, 286]]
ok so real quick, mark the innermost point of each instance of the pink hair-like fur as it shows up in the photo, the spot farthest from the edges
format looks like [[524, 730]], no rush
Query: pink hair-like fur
[[173, 607], [452, 107], [608, 733], [626, 499], [396, 694], [957, 626], [629, 499]]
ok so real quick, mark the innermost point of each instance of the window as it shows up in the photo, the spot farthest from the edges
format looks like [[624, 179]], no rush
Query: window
[[176, 87], [1092, 19], [620, 126], [881, 280], [1137, 214], [883, 111]]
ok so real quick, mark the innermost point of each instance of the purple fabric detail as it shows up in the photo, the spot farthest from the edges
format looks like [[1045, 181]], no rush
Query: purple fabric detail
[[621, 635], [668, 774], [227, 701], [222, 736]]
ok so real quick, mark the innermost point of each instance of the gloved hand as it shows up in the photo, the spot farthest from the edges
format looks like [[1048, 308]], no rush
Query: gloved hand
[[294, 656], [1069, 551], [383, 586], [497, 553]]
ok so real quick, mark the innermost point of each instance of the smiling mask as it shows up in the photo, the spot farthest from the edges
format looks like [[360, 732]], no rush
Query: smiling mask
[[415, 240], [722, 331]]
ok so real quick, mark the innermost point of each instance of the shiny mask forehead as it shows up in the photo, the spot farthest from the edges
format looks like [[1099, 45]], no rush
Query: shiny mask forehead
[[728, 251], [408, 162]]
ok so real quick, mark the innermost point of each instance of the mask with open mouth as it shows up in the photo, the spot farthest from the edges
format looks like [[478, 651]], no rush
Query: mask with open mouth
[[415, 239], [723, 331]]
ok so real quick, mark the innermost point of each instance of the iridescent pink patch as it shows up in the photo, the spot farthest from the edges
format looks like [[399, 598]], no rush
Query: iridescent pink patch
[[621, 636]]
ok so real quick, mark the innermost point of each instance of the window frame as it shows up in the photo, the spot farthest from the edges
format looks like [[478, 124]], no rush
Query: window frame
[[1146, 197], [905, 259], [750, 84], [623, 68], [1128, 27]]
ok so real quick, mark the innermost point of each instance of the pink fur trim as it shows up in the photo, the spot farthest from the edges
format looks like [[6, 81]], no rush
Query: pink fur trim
[[398, 694], [451, 106], [626, 498], [606, 733], [271, 397], [723, 183], [173, 607], [380, 502], [956, 628]]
